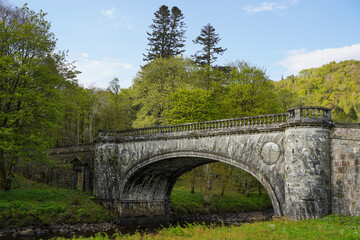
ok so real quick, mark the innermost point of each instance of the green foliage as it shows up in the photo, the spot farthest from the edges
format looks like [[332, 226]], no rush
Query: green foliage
[[250, 92], [190, 105], [334, 85], [40, 204], [183, 202], [31, 77], [85, 111], [153, 86]]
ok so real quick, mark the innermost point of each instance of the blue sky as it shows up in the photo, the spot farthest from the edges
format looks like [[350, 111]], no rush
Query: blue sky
[[107, 38]]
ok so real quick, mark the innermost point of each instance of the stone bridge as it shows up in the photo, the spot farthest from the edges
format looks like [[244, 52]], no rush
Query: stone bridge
[[308, 165]]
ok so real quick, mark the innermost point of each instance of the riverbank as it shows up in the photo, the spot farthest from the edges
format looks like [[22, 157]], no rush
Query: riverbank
[[36, 204], [35, 209], [328, 228], [110, 228]]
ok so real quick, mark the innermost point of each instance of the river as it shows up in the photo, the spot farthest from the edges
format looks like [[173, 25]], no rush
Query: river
[[87, 230]]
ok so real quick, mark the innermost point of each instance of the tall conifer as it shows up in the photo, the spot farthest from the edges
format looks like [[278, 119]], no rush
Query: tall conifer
[[208, 39], [177, 33], [168, 34]]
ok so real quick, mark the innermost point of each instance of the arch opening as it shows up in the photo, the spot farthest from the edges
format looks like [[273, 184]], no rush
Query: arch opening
[[147, 187]]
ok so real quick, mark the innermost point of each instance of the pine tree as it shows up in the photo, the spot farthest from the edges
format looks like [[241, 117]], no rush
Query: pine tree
[[208, 39], [168, 34], [177, 33]]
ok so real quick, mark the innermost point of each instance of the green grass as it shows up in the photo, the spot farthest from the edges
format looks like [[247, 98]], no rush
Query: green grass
[[32, 203], [183, 202], [331, 227]]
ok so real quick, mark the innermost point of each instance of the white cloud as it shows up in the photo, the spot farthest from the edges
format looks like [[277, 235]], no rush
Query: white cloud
[[118, 21], [110, 13], [269, 6], [100, 72], [264, 6], [128, 66], [298, 60]]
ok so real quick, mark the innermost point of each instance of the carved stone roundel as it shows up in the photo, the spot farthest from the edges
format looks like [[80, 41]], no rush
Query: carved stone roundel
[[270, 153], [125, 157]]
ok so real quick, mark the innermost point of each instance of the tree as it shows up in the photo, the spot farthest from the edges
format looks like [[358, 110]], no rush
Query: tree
[[177, 33], [208, 39], [114, 88], [190, 105], [250, 92], [154, 84], [31, 78], [118, 110], [168, 34]]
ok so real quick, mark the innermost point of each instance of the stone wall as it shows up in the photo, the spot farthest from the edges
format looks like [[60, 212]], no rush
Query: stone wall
[[72, 167], [308, 186], [345, 170]]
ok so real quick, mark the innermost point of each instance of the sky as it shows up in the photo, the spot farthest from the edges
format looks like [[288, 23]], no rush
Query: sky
[[107, 38]]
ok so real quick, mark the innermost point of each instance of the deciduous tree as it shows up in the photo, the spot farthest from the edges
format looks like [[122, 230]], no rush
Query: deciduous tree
[[154, 84], [250, 92], [31, 78], [190, 105]]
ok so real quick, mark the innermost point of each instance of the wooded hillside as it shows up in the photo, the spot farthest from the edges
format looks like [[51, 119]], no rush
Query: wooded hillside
[[334, 85]]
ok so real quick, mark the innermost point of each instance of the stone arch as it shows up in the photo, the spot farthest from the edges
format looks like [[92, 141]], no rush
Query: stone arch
[[153, 178]]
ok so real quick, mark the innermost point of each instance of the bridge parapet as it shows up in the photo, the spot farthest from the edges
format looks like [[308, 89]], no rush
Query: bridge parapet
[[302, 115], [263, 122], [314, 115]]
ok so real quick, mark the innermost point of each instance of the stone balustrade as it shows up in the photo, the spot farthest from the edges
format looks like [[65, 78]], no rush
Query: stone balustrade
[[310, 115], [245, 122], [294, 115]]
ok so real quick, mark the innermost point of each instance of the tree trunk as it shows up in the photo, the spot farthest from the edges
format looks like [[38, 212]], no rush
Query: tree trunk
[[245, 187], [223, 190], [260, 189], [248, 190], [208, 186], [6, 172], [193, 180]]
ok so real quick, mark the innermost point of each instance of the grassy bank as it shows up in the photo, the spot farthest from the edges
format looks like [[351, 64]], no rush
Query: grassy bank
[[331, 227], [183, 202], [30, 203]]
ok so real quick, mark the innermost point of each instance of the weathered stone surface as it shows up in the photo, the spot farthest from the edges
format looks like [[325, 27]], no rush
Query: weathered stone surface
[[307, 186], [149, 169], [345, 178]]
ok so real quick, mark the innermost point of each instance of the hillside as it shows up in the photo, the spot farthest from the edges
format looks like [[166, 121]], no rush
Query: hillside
[[334, 85]]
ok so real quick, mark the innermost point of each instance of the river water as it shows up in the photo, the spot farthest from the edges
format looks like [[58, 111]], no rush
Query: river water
[[88, 230]]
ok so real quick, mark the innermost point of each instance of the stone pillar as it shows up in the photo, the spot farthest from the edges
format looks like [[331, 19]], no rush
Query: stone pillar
[[307, 163]]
